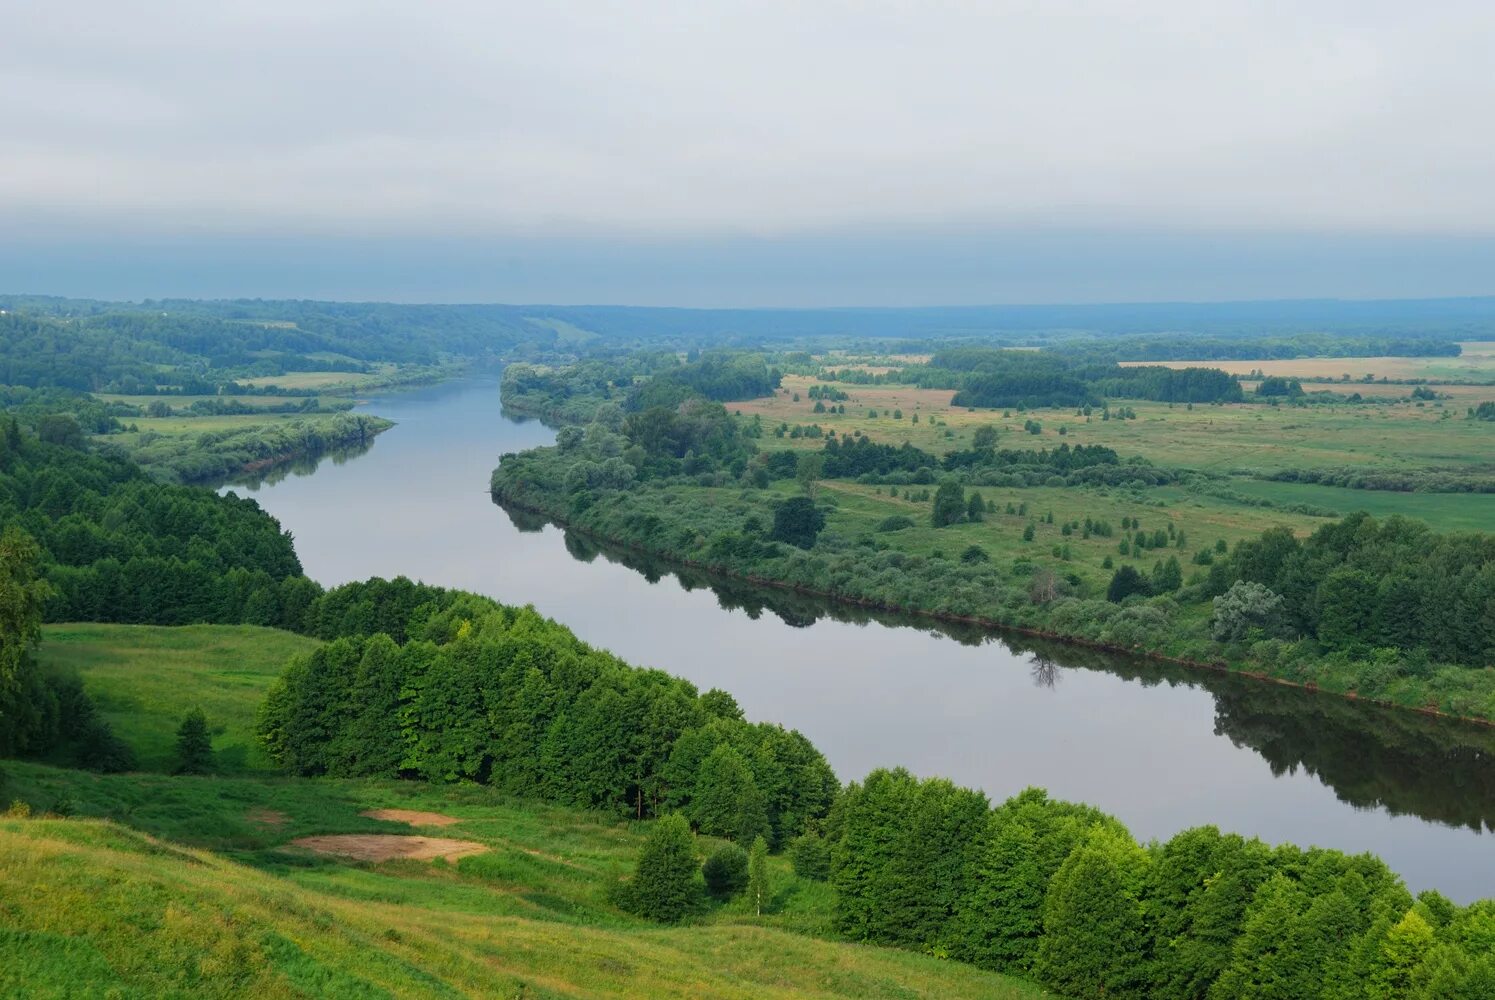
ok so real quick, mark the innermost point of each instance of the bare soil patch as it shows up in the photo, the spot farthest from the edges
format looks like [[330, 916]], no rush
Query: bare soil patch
[[389, 847], [266, 817], [412, 816]]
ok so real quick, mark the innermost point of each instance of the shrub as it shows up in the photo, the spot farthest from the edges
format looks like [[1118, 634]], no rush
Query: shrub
[[811, 857], [1243, 607], [896, 523], [726, 871], [664, 881]]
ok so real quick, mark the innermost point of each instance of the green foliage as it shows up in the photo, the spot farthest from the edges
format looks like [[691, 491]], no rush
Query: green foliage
[[811, 857], [1361, 582], [1245, 606], [949, 504], [895, 522], [1125, 582], [797, 521], [664, 886], [22, 595], [726, 871], [726, 801], [759, 887], [194, 744], [460, 688], [1094, 921]]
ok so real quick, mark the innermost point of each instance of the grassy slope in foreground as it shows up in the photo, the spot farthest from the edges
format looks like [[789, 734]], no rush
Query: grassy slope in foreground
[[93, 906], [127, 897]]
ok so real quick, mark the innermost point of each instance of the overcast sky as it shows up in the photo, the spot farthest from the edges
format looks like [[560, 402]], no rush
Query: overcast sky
[[715, 152]]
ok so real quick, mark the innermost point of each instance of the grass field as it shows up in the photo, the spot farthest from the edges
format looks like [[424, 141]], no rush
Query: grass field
[[144, 679], [162, 886], [181, 403], [209, 424], [1475, 364], [1219, 438], [318, 380]]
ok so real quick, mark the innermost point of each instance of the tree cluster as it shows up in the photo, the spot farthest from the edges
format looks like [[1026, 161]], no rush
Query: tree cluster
[[1063, 894], [465, 689]]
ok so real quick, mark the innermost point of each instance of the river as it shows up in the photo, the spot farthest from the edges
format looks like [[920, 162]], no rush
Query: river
[[1161, 748]]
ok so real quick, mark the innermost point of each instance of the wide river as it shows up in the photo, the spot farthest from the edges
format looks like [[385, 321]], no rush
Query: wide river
[[1161, 748]]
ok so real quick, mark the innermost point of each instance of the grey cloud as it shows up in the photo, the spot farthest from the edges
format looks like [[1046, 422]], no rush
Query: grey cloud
[[694, 119]]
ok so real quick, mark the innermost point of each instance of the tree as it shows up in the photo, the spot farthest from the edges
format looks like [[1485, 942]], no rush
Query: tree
[[1245, 606], [797, 521], [1094, 927], [975, 508], [726, 801], [194, 745], [760, 892], [1124, 583], [1402, 949], [22, 596], [985, 438], [949, 504], [726, 870], [811, 857], [664, 880], [1167, 576], [807, 471], [1266, 961]]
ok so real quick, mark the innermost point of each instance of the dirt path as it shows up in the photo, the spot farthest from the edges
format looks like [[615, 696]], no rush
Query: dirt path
[[388, 847]]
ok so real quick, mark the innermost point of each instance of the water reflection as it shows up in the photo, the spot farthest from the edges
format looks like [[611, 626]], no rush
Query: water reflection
[[299, 465], [1372, 757]]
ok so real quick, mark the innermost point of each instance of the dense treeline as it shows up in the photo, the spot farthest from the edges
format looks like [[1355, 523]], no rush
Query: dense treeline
[[719, 376], [995, 378], [1361, 583], [1396, 480], [448, 686], [1195, 347], [116, 546], [1171, 385], [1062, 893]]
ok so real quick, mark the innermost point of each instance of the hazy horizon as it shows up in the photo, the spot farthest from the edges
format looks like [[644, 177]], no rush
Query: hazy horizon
[[747, 154]]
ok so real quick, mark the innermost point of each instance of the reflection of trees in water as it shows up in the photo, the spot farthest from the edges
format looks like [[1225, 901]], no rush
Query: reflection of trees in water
[[1045, 672], [1371, 757], [300, 465]]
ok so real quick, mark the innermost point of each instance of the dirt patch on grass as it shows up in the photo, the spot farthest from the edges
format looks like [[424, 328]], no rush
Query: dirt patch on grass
[[389, 847], [267, 817], [412, 816]]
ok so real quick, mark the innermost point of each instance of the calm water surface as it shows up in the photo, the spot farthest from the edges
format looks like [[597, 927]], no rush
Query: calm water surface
[[1161, 748]]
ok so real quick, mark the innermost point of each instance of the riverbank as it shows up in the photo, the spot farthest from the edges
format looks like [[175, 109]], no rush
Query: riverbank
[[694, 538]]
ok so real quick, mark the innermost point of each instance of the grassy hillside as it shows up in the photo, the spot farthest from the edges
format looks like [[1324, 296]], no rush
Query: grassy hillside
[[144, 679], [169, 886], [114, 910]]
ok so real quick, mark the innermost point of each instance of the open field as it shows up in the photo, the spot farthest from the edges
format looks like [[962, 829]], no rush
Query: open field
[[207, 424], [145, 679], [1201, 519], [1456, 393], [1220, 438], [1475, 364], [318, 380], [181, 403]]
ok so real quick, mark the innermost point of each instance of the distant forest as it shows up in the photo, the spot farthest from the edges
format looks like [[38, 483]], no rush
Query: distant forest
[[141, 347]]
